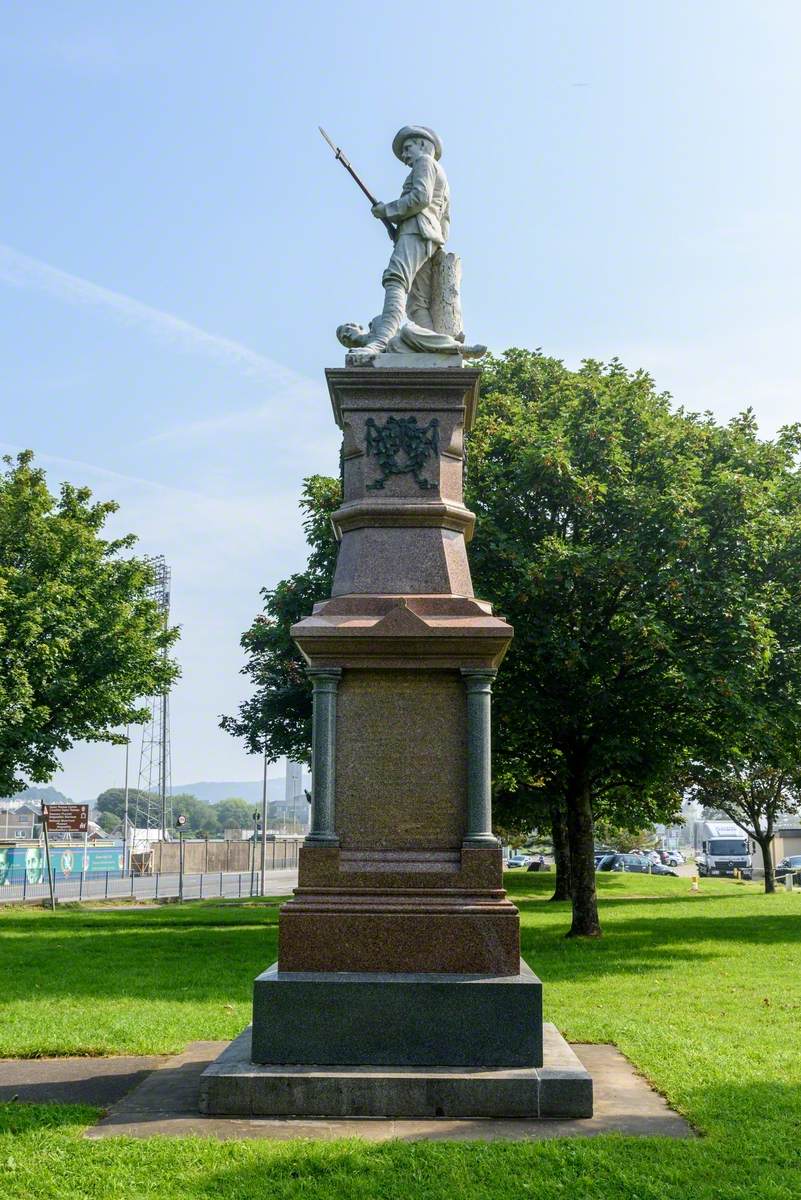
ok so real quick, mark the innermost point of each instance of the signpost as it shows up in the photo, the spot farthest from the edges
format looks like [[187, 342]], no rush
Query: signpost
[[62, 818]]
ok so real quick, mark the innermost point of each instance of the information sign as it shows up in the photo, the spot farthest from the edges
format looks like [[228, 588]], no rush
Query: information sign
[[65, 818]]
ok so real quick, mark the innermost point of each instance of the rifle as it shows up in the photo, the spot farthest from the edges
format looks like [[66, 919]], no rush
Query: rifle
[[390, 228]]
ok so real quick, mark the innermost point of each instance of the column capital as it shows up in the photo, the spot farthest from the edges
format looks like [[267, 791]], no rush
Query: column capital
[[323, 675], [478, 679]]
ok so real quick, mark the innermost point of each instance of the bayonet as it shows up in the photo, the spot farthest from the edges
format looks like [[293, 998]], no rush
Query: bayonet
[[390, 228]]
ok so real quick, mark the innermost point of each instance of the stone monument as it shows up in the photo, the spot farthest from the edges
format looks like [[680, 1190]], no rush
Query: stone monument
[[399, 990]]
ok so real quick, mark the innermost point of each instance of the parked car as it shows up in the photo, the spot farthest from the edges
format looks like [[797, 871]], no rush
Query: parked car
[[787, 866], [674, 858], [518, 860], [636, 863]]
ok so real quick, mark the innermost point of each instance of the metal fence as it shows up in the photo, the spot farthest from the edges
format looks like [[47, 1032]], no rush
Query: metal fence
[[110, 885]]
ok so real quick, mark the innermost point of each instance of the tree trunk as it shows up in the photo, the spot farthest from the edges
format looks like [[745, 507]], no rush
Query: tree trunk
[[582, 862], [446, 305], [563, 886], [767, 859]]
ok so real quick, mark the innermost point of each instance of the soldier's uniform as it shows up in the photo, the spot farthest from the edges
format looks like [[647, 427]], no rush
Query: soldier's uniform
[[422, 216]]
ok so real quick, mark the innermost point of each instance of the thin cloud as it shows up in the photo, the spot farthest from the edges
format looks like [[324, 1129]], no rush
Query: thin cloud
[[21, 271]]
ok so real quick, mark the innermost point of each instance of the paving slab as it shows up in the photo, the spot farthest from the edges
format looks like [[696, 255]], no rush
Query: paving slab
[[166, 1103], [101, 1082]]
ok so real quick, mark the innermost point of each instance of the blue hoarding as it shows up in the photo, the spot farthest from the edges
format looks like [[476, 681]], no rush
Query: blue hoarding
[[29, 862]]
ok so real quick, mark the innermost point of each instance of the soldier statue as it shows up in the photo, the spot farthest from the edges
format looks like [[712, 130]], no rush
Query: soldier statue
[[421, 312]]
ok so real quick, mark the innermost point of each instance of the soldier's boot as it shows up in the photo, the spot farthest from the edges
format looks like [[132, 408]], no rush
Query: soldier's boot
[[386, 324]]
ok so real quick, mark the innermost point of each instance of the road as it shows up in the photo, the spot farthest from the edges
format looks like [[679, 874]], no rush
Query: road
[[156, 887]]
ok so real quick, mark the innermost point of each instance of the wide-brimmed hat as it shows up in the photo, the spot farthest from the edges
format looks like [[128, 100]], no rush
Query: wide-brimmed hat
[[419, 131]]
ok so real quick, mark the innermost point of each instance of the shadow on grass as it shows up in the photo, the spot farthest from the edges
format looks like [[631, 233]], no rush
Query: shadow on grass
[[212, 954], [649, 943], [168, 955]]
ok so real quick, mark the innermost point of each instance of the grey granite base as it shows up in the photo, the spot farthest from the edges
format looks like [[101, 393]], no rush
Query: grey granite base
[[367, 1019], [234, 1086]]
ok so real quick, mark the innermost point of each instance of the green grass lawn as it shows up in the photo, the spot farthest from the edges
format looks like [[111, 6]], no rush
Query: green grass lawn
[[703, 993]]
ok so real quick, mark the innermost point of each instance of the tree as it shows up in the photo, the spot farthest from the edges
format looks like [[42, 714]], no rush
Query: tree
[[753, 795], [109, 822], [234, 813], [80, 638], [624, 839], [277, 717], [757, 777], [615, 534], [112, 800], [201, 817], [620, 538]]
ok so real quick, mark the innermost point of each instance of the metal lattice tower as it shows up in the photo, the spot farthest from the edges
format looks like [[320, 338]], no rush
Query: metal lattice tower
[[153, 808]]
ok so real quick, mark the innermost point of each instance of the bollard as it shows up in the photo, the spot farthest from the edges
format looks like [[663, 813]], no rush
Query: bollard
[[788, 881], [695, 887]]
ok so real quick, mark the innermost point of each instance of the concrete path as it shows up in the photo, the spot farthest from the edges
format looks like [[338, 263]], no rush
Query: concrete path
[[148, 1096], [101, 1082]]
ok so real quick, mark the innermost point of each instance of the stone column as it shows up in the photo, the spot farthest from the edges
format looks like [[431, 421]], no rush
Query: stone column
[[325, 681], [478, 683]]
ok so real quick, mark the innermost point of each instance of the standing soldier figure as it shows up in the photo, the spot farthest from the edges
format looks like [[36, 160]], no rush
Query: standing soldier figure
[[422, 218], [422, 311]]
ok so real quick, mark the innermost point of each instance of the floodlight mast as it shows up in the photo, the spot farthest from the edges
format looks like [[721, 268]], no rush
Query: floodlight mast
[[153, 809]]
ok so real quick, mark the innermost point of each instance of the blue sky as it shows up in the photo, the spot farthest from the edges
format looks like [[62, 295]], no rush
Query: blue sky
[[178, 246]]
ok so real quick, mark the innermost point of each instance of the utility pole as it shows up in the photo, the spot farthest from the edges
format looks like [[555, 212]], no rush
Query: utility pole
[[163, 780], [125, 846], [263, 819]]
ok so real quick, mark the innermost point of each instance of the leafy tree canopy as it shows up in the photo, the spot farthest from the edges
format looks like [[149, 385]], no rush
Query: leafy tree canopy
[[112, 800], [234, 813], [201, 817], [277, 717], [635, 548], [615, 535], [80, 638], [109, 822]]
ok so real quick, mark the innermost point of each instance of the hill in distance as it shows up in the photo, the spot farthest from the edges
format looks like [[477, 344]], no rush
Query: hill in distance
[[49, 794], [249, 790]]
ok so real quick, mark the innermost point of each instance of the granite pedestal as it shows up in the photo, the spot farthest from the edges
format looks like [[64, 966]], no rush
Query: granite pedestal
[[399, 988], [369, 1019]]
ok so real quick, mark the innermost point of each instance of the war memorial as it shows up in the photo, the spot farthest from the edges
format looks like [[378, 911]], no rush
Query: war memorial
[[399, 989]]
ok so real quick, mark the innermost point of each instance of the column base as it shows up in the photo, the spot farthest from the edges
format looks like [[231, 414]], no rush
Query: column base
[[321, 839]]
